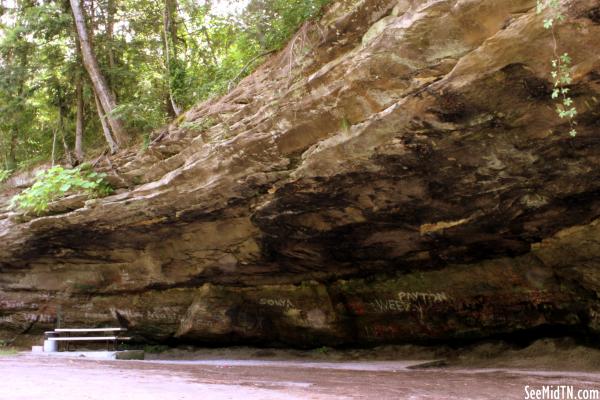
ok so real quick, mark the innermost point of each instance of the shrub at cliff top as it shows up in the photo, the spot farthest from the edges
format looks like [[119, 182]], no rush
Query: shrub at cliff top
[[58, 182]]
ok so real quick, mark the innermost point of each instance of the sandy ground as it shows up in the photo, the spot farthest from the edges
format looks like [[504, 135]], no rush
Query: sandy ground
[[241, 376]]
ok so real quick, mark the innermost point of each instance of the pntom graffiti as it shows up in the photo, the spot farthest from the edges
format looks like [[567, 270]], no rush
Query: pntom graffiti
[[423, 297]]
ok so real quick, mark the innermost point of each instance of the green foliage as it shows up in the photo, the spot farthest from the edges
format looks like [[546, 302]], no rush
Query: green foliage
[[8, 351], [58, 182], [40, 67], [346, 124], [322, 350], [140, 117], [229, 47], [272, 22], [556, 16], [155, 348], [36, 72], [561, 66], [4, 174], [146, 141], [198, 126]]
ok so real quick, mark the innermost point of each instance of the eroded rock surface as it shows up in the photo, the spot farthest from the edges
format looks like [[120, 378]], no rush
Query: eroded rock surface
[[396, 174]]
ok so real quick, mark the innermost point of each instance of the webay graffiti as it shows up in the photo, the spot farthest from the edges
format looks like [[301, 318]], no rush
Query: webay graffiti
[[409, 301]]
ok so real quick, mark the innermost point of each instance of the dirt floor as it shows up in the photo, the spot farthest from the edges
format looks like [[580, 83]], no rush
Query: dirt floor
[[489, 371]]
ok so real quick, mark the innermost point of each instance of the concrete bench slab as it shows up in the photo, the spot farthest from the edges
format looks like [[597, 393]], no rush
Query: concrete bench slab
[[87, 338]]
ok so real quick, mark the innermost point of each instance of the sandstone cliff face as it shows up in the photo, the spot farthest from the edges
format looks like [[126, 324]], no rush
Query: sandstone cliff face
[[396, 174]]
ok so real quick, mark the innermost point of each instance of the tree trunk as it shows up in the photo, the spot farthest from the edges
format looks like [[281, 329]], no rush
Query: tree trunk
[[79, 122], [54, 147], [11, 160], [171, 113], [22, 52], [170, 24], [61, 128], [99, 83], [210, 46], [170, 44], [105, 128], [110, 24]]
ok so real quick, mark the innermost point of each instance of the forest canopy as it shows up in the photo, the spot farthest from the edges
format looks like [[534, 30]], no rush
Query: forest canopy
[[153, 59]]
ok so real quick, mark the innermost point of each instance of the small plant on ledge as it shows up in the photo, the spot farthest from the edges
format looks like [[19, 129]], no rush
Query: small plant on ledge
[[4, 174], [57, 182], [561, 66]]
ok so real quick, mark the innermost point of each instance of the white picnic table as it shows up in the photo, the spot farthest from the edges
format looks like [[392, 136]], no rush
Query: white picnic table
[[54, 336]]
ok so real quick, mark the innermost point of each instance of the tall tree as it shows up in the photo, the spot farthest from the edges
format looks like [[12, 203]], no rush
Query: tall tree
[[105, 128], [101, 88], [110, 27], [15, 71], [170, 44], [152, 58], [79, 154]]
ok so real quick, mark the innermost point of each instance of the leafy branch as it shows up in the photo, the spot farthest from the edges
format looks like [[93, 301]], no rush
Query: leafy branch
[[4, 174], [57, 182], [561, 66]]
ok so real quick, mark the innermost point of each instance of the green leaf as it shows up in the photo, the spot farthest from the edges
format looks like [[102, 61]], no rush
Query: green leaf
[[53, 184], [540, 7]]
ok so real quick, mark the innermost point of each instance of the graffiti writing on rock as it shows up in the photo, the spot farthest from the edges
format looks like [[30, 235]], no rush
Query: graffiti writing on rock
[[423, 297], [387, 305], [409, 301], [283, 303]]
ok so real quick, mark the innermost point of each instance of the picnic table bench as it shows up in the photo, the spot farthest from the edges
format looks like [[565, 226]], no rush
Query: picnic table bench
[[55, 336]]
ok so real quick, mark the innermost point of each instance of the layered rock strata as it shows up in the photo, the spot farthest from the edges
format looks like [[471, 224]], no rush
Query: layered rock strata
[[396, 174]]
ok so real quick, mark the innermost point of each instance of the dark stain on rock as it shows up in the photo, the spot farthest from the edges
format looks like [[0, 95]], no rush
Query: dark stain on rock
[[594, 14], [451, 107], [537, 88]]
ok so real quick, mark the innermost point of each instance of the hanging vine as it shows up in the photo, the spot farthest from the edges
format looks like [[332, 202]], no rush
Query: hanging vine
[[561, 66]]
